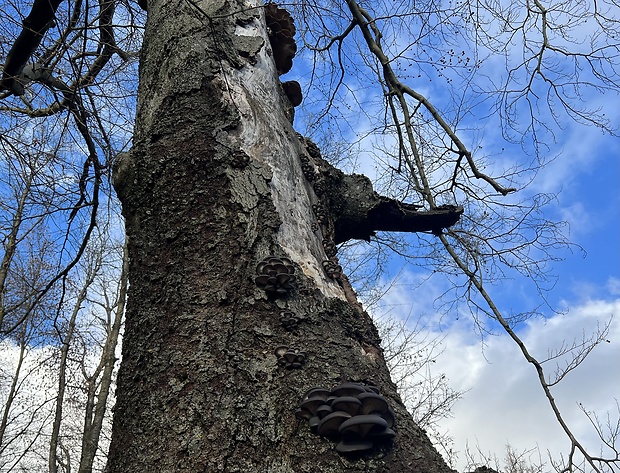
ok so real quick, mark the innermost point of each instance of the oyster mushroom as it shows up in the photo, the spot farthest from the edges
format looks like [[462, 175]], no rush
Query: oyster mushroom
[[317, 392], [312, 404], [323, 411], [329, 425], [349, 404], [362, 425], [373, 403], [275, 275], [353, 445], [348, 389]]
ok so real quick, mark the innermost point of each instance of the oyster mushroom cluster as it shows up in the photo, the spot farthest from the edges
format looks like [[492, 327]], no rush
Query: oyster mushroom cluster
[[281, 29], [319, 186], [320, 213], [289, 320], [307, 168], [330, 247], [290, 358], [355, 415], [333, 269], [275, 275]]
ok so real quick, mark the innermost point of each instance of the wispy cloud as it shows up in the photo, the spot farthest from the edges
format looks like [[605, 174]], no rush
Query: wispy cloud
[[504, 403]]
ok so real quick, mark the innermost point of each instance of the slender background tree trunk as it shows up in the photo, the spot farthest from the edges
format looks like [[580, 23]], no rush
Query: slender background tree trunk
[[213, 185]]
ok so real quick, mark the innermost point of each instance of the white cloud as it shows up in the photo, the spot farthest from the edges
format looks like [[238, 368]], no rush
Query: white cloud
[[506, 405], [503, 401], [613, 286]]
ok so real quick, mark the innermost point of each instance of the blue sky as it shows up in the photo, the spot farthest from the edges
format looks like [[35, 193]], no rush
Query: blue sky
[[503, 404]]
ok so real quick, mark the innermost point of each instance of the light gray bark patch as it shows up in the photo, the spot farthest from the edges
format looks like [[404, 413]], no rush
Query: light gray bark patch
[[249, 46]]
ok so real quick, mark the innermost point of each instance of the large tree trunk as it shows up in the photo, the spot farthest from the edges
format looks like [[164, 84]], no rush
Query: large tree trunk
[[213, 185]]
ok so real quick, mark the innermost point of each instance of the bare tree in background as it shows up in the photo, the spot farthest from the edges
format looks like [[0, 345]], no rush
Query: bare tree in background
[[216, 180], [59, 367]]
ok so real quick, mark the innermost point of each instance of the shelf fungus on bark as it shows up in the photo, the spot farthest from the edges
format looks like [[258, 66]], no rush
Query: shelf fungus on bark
[[275, 275], [289, 320], [290, 358], [281, 29], [352, 414]]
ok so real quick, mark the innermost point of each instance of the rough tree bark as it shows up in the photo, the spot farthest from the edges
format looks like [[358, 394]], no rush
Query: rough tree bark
[[213, 185]]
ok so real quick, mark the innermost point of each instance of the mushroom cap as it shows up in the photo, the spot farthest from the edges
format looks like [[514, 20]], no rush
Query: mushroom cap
[[283, 278], [279, 268], [331, 399], [323, 411], [312, 404], [386, 435], [280, 350], [348, 389], [389, 417], [313, 422], [290, 356], [329, 425], [362, 425], [349, 404], [288, 263], [272, 263], [316, 392], [303, 414], [261, 280], [373, 403], [353, 445]]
